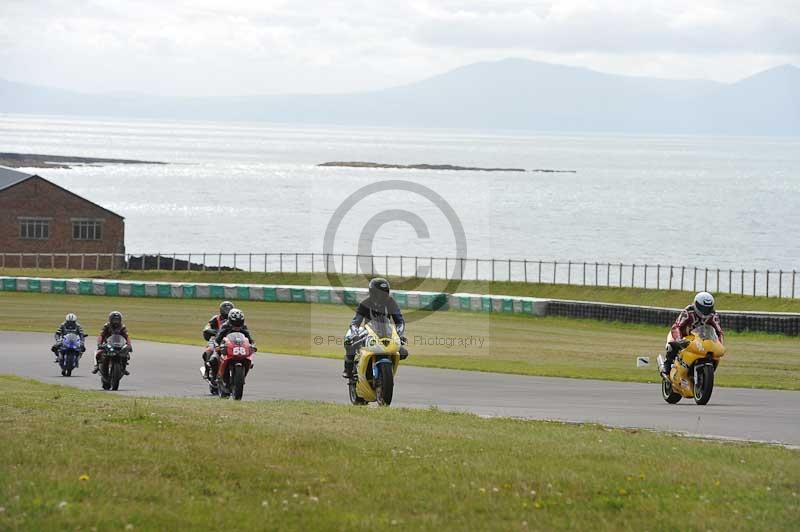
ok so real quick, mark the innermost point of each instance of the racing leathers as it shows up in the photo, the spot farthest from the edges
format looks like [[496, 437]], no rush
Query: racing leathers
[[227, 328], [686, 321], [210, 332], [108, 331]]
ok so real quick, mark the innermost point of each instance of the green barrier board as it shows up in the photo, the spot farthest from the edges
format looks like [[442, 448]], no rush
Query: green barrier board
[[164, 290], [508, 305], [486, 304], [138, 290], [34, 285], [189, 291], [350, 297], [10, 284], [270, 294], [527, 306], [324, 296], [58, 287], [112, 289], [216, 292], [85, 287], [402, 300], [298, 294], [243, 292], [465, 302]]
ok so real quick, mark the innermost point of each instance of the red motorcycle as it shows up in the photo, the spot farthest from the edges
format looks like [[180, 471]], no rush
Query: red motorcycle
[[236, 361]]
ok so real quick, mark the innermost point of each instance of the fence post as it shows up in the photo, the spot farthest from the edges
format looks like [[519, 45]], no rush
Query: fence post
[[266, 255], [401, 266], [204, 262], [476, 269], [767, 283], [717, 287], [705, 281], [416, 267], [219, 263], [754, 282], [683, 269], [780, 283], [694, 280], [741, 284], [296, 263], [372, 265], [250, 262], [633, 275], [158, 262], [540, 272], [569, 272], [555, 267], [234, 260], [509, 270], [189, 263], [492, 270], [658, 277], [794, 273], [730, 281], [596, 273], [584, 273], [174, 256], [608, 274], [83, 260], [670, 276], [645, 275], [281, 267], [342, 265], [52, 261], [620, 275], [460, 270], [386, 264]]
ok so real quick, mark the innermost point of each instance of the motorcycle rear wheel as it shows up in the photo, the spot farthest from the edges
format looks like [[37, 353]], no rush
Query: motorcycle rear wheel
[[668, 394], [354, 398], [704, 385]]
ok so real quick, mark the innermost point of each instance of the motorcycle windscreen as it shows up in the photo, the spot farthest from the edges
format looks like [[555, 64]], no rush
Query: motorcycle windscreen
[[117, 341], [382, 326], [706, 332], [72, 341], [237, 338]]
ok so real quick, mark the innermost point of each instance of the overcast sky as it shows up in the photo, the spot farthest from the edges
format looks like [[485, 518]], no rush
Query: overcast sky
[[207, 47]]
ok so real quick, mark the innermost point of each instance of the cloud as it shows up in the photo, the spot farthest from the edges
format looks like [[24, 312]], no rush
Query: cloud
[[205, 47]]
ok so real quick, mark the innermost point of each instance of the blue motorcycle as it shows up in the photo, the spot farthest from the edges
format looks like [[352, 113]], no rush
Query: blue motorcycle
[[69, 353]]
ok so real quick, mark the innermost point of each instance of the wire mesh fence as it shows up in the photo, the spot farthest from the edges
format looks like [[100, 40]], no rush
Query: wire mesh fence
[[771, 283]]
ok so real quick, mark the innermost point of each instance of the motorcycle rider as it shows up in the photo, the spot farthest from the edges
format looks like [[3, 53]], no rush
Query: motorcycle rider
[[112, 327], [378, 303], [234, 323], [211, 329], [700, 312], [70, 325]]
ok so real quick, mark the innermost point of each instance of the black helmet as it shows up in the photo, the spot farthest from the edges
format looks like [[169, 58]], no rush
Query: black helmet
[[224, 308], [379, 287], [704, 304], [115, 319], [236, 317]]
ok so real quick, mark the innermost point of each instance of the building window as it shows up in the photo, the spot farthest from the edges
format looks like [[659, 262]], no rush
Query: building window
[[87, 230], [34, 229]]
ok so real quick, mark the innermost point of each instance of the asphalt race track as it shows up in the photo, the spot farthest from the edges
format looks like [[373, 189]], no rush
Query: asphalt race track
[[173, 370]]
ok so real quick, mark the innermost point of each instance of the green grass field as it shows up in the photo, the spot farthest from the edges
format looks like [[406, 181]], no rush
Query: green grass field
[[502, 343], [632, 296], [78, 460]]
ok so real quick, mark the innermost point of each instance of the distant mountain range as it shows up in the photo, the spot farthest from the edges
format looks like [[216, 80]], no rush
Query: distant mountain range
[[511, 94]]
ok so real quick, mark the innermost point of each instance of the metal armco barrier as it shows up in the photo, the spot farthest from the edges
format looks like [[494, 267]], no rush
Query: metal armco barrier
[[769, 322]]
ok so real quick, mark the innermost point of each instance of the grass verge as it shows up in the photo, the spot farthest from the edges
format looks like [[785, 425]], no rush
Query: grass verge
[[525, 345], [631, 296], [74, 460]]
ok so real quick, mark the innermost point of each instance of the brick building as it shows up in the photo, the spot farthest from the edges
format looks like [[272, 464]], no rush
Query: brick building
[[39, 219]]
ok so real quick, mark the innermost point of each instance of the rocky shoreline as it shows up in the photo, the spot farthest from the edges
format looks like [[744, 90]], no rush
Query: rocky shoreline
[[35, 160], [451, 167]]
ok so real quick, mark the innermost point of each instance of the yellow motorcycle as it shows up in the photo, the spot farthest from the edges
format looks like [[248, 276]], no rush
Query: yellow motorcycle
[[692, 374], [376, 363]]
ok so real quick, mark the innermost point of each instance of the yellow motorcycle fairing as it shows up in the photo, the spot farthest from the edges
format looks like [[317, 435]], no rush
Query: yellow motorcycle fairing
[[375, 345], [702, 345]]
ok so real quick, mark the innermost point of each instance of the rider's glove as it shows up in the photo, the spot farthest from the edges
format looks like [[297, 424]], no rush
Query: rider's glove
[[683, 343], [254, 348], [403, 340]]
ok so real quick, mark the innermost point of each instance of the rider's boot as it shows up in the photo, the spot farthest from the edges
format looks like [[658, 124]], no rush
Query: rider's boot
[[96, 368], [348, 370]]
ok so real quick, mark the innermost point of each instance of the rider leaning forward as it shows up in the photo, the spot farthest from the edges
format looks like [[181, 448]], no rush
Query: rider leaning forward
[[378, 303], [112, 327], [700, 312]]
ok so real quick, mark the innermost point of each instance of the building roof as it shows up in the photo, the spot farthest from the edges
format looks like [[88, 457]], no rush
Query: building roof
[[9, 178]]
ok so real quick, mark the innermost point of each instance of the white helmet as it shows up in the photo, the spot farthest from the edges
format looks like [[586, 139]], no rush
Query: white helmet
[[704, 304], [71, 317]]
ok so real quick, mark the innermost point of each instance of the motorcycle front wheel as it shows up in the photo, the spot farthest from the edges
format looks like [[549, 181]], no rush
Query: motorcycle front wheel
[[354, 398], [668, 394], [704, 384], [384, 388], [116, 374]]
